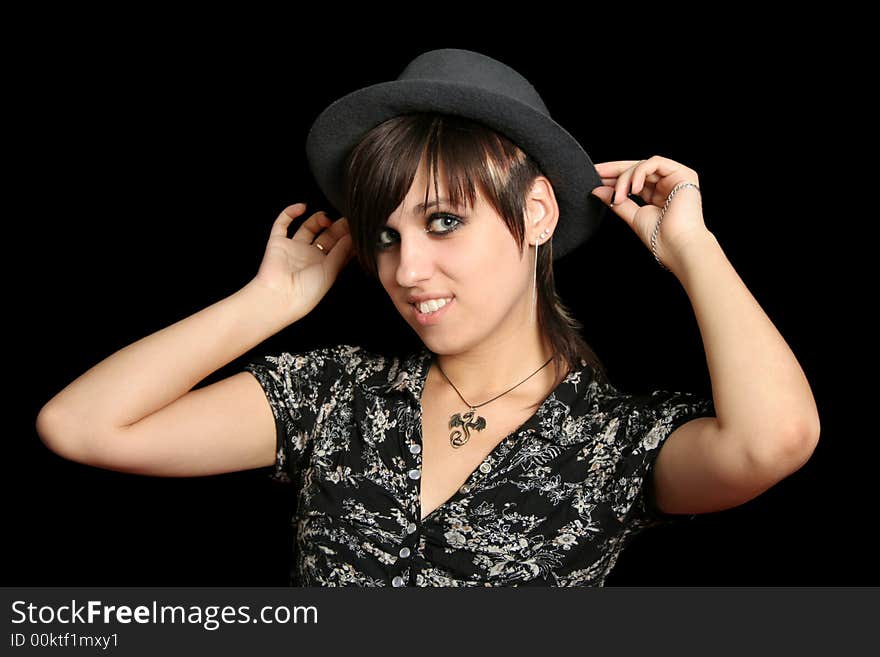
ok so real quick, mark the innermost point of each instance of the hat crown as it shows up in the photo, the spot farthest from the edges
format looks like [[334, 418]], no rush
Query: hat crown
[[461, 66]]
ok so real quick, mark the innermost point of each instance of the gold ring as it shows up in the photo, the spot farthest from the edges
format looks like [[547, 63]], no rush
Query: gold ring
[[319, 246]]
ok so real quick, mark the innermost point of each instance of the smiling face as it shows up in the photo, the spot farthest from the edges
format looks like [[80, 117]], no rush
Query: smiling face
[[462, 252]]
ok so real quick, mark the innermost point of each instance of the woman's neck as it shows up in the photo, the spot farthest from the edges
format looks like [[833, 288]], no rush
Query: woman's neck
[[480, 375]]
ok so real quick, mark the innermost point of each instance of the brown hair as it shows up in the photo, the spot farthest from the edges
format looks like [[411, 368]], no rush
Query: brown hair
[[380, 170]]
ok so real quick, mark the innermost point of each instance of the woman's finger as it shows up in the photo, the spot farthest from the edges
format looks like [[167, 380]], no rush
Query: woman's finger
[[654, 169], [311, 227], [622, 185], [638, 176], [337, 230], [288, 214], [645, 190], [643, 181], [616, 168], [338, 227]]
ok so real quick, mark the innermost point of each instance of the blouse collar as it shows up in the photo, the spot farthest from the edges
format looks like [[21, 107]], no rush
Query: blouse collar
[[408, 376]]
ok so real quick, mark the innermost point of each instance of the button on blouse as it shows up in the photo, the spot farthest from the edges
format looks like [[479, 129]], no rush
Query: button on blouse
[[553, 503]]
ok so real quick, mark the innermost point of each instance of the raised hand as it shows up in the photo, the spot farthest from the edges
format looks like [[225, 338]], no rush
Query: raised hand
[[297, 270], [652, 180]]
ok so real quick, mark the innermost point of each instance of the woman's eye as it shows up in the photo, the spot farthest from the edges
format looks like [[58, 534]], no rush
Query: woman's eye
[[448, 223]]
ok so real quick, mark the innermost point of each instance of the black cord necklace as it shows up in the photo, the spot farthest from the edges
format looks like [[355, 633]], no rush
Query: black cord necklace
[[466, 421]]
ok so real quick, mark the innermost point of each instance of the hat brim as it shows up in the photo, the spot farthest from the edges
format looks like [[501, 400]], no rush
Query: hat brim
[[340, 126]]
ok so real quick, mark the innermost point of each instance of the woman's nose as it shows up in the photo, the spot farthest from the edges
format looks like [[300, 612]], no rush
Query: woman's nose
[[415, 262]]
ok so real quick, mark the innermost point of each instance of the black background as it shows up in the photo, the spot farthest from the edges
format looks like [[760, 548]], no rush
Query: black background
[[153, 168]]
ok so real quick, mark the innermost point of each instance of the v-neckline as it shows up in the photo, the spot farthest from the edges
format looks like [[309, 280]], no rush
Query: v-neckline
[[529, 424]]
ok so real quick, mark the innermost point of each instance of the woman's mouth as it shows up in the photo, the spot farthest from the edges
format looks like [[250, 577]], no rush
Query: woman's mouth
[[432, 317]]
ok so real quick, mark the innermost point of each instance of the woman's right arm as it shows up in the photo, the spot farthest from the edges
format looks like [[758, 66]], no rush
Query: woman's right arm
[[136, 411]]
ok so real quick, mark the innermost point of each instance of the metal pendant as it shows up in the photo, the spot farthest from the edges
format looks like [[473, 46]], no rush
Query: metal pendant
[[467, 422]]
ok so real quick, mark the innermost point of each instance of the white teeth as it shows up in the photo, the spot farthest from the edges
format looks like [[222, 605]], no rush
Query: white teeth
[[432, 305]]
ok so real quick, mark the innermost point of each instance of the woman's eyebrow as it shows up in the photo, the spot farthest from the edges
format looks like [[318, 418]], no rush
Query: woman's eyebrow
[[461, 205], [424, 206]]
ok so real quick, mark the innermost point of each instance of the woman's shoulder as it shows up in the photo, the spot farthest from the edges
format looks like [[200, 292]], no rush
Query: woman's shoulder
[[339, 357], [354, 360], [354, 355]]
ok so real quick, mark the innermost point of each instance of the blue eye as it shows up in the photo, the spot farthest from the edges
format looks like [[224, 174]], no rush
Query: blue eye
[[381, 246]]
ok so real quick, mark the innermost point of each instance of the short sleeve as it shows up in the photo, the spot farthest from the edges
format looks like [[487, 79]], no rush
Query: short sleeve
[[650, 420], [296, 387]]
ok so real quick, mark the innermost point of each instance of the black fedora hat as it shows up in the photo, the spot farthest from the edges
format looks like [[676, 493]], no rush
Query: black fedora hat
[[472, 85]]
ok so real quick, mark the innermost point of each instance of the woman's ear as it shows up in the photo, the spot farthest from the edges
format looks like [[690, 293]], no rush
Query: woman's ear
[[541, 206]]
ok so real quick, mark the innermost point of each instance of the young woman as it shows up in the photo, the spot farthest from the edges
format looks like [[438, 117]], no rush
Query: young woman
[[498, 454]]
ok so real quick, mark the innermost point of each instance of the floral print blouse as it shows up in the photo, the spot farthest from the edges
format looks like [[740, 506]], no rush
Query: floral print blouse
[[553, 504]]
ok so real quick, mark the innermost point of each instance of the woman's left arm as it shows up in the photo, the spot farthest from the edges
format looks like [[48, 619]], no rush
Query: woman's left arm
[[756, 378], [760, 391]]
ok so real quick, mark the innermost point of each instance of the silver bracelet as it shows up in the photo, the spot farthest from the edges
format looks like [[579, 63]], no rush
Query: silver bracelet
[[660, 218]]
